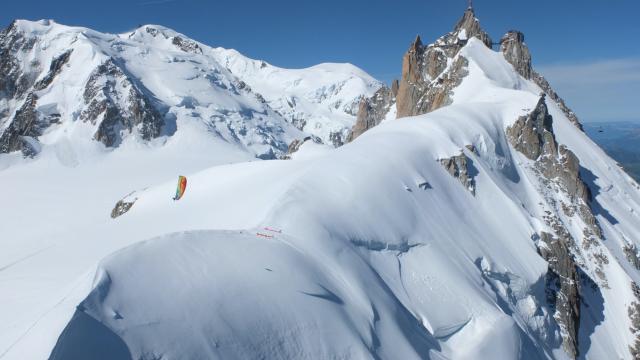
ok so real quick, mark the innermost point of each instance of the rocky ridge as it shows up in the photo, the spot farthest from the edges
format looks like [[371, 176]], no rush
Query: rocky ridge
[[430, 73], [567, 254], [516, 52], [372, 111], [576, 259], [117, 103]]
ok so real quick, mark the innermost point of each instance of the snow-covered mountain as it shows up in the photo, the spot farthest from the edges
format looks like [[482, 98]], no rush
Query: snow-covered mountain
[[67, 82], [470, 217], [321, 100]]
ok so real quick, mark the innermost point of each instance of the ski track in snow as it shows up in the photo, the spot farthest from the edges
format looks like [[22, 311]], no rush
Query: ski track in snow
[[7, 266]]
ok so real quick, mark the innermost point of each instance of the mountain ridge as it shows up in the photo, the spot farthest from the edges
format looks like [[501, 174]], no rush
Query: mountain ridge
[[198, 88], [431, 72]]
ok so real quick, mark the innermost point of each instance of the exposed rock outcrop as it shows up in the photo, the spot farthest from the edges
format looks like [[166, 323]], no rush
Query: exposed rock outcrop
[[559, 171], [631, 253], [411, 83], [296, 144], [186, 45], [429, 73], [562, 288], [121, 208], [516, 52], [372, 111], [54, 70], [395, 84], [337, 138], [18, 86], [24, 124], [15, 79], [459, 167], [634, 315], [532, 135], [469, 26], [119, 104]]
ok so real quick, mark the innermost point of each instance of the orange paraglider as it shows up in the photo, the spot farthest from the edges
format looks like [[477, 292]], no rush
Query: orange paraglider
[[182, 186]]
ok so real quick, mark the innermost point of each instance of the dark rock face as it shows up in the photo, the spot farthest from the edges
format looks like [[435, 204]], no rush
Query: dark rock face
[[568, 170], [459, 167], [24, 123], [559, 171], [121, 208], [470, 24], [372, 111], [14, 81], [532, 135], [395, 84], [296, 144], [186, 45], [17, 83], [634, 315], [427, 79], [120, 104], [562, 288], [631, 253], [337, 138], [411, 84], [517, 53], [54, 70]]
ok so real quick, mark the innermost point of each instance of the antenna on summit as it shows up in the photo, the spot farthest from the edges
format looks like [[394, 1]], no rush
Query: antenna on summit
[[470, 5]]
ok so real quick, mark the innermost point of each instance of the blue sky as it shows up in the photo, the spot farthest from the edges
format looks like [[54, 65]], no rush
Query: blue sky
[[583, 47]]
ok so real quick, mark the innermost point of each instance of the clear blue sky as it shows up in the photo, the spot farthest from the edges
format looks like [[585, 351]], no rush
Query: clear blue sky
[[594, 39]]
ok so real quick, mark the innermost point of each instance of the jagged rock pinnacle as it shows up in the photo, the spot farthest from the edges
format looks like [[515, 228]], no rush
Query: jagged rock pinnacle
[[471, 26], [417, 43], [517, 53]]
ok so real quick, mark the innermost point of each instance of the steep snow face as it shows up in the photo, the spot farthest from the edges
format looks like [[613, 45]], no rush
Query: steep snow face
[[321, 100], [372, 250], [61, 81]]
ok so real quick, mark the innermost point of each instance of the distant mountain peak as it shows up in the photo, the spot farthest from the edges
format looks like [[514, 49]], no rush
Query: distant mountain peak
[[157, 81], [430, 73], [469, 26]]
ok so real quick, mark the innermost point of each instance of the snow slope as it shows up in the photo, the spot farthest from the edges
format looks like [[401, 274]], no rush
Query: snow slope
[[321, 100], [363, 262]]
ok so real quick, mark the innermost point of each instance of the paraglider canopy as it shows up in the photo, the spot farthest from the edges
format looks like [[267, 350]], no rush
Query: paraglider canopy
[[180, 189]]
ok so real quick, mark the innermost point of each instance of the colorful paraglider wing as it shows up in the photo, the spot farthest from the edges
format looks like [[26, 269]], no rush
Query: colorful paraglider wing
[[182, 186]]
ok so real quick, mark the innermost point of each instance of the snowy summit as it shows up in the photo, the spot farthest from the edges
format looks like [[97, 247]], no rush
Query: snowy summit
[[460, 213]]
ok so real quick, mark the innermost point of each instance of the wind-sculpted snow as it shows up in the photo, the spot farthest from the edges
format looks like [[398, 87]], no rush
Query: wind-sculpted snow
[[373, 250], [233, 295]]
